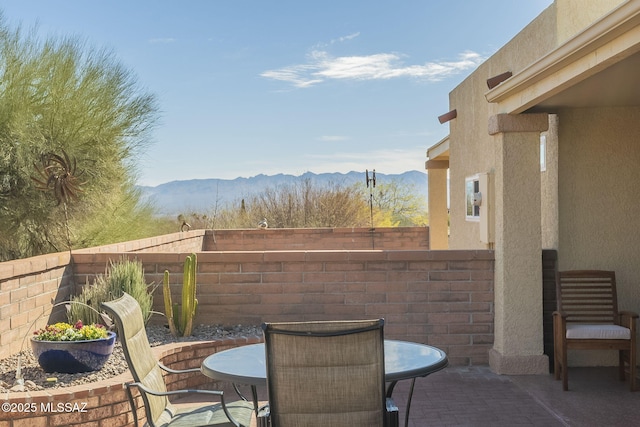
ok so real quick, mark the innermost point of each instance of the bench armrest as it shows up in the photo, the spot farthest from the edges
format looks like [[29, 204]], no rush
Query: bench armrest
[[628, 319]]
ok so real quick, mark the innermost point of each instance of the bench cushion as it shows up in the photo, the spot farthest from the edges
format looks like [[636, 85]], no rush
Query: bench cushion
[[603, 332]]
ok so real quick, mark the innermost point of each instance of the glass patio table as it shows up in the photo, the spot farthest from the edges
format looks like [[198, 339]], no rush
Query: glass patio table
[[403, 360]]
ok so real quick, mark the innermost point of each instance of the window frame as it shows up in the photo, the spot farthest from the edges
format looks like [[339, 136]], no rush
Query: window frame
[[471, 186]]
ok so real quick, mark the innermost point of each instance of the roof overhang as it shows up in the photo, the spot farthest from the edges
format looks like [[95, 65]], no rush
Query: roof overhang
[[597, 67], [438, 155]]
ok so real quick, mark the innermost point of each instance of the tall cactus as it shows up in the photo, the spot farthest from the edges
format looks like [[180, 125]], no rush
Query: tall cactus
[[181, 318]]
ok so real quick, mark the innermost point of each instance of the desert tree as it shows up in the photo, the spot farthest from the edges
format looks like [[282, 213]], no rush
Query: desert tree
[[398, 204], [306, 203], [61, 99], [297, 205]]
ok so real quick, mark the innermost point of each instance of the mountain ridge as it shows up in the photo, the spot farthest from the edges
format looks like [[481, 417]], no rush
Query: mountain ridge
[[203, 194]]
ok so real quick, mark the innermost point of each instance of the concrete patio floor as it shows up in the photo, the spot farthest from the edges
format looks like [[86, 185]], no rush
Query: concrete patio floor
[[474, 396]]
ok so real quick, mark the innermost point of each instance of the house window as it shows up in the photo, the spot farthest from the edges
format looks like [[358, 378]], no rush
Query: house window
[[543, 152], [472, 188]]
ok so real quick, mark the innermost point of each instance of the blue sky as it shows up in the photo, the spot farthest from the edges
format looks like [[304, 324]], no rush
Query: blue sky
[[251, 87]]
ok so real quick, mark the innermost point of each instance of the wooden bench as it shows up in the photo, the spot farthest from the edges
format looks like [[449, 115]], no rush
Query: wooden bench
[[588, 319]]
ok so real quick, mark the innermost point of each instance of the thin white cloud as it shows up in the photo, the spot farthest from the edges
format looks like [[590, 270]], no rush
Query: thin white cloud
[[321, 66], [297, 75], [345, 38], [165, 40]]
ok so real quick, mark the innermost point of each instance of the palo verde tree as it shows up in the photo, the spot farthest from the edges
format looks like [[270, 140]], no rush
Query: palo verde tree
[[397, 204], [68, 108]]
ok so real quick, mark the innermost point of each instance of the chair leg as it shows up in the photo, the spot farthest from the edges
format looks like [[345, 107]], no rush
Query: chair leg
[[633, 369], [565, 373], [559, 357], [556, 349], [628, 357]]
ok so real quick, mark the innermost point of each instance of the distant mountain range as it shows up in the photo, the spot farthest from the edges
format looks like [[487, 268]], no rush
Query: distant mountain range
[[202, 195]]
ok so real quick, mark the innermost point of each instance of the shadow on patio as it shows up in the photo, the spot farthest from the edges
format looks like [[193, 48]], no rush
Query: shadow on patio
[[474, 396]]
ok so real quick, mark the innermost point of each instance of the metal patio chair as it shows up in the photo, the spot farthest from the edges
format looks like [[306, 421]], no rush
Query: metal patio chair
[[588, 319], [326, 374], [148, 378]]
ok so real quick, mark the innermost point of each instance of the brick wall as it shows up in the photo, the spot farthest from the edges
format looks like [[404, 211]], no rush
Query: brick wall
[[273, 239], [188, 241], [29, 288], [442, 298]]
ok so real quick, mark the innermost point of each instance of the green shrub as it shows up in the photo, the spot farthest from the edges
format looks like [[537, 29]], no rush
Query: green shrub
[[128, 276], [121, 276], [89, 301]]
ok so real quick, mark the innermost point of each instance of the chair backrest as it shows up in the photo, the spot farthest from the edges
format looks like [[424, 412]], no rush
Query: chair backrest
[[127, 315], [587, 296], [326, 373]]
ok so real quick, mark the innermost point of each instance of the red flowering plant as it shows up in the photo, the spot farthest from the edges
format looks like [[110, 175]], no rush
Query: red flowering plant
[[67, 332]]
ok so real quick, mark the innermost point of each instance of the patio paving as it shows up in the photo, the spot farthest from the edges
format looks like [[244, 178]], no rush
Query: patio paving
[[475, 396]]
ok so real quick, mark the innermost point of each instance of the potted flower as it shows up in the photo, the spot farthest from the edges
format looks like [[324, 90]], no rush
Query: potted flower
[[63, 347]]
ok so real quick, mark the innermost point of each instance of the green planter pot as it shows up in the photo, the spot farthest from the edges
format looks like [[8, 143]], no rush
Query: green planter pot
[[72, 357]]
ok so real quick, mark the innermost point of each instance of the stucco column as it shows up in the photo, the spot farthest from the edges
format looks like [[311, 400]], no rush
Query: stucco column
[[438, 212], [518, 341]]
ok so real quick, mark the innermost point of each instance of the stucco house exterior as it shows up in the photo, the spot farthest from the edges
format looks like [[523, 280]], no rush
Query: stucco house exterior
[[547, 131]]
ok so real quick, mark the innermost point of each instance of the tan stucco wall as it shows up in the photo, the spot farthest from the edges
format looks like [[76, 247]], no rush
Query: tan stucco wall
[[599, 178], [549, 188], [438, 217], [590, 153], [518, 341], [576, 15], [472, 149], [518, 253]]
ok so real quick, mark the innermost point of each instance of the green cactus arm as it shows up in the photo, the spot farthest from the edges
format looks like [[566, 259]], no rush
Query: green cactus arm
[[195, 284], [194, 301], [186, 293], [188, 328], [189, 295], [168, 306], [178, 327]]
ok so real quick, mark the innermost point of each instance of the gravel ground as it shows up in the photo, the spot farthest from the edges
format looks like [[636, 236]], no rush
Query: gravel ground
[[36, 379]]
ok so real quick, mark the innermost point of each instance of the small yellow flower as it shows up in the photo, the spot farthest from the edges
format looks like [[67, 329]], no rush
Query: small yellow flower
[[62, 331]]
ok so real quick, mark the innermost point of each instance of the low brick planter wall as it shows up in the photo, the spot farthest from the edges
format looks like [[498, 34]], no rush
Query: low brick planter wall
[[105, 403]]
